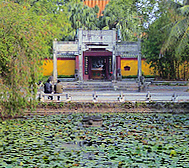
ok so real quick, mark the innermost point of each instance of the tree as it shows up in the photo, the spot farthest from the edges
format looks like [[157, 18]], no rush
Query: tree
[[54, 13], [130, 16], [25, 39], [120, 14], [178, 38], [162, 43], [81, 16], [151, 47], [177, 41]]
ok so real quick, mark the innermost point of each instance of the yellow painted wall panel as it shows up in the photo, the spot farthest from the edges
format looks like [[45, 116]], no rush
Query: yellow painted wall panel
[[67, 67], [64, 67], [146, 70], [133, 64], [47, 68], [133, 67], [183, 71]]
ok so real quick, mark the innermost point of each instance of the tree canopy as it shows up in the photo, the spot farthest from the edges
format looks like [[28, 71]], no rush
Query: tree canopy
[[178, 38], [81, 16], [166, 43], [27, 29], [26, 38], [121, 14]]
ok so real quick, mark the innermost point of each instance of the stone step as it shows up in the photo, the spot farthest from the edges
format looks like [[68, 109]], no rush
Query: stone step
[[100, 86]]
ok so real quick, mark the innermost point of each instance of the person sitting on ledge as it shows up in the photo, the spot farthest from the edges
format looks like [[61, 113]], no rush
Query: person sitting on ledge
[[58, 88], [48, 88]]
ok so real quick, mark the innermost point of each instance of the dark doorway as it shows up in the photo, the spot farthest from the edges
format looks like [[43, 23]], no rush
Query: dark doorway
[[98, 68]]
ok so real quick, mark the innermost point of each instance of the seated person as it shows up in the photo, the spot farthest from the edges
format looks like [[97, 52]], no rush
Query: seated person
[[48, 88], [58, 88]]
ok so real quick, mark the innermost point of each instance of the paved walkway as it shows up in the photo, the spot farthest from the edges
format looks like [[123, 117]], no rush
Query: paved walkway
[[111, 96], [106, 91]]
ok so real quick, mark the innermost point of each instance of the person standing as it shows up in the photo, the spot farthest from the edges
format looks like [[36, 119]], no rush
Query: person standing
[[58, 88]]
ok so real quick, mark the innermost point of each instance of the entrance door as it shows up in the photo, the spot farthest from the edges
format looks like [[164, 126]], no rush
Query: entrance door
[[99, 67]]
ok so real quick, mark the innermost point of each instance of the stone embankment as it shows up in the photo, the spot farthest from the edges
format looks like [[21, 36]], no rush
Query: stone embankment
[[126, 107]]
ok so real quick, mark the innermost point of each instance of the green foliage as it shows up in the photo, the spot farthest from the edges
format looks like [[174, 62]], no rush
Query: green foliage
[[56, 16], [44, 79], [152, 44], [26, 37], [140, 104], [61, 104], [19, 61], [81, 16], [130, 76], [129, 16], [121, 14], [44, 104], [166, 44], [178, 38]]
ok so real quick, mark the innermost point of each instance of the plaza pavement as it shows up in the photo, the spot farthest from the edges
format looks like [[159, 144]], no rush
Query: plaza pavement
[[125, 90]]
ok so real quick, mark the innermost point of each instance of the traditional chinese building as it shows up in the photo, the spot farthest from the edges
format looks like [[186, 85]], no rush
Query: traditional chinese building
[[96, 54]]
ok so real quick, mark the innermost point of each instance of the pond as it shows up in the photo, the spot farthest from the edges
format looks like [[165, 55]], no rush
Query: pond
[[123, 140]]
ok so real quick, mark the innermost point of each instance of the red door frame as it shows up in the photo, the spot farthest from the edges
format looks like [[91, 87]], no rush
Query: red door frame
[[91, 54]]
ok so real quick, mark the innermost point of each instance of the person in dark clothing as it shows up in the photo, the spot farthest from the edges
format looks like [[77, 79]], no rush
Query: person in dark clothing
[[48, 88]]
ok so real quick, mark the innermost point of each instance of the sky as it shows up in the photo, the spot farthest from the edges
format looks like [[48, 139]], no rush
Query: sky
[[153, 18], [181, 1]]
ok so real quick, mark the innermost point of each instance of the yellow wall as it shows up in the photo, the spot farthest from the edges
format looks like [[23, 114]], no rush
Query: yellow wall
[[146, 70], [64, 67], [133, 64], [183, 71], [67, 67]]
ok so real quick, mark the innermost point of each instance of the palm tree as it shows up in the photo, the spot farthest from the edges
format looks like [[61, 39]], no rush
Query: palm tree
[[81, 16], [177, 43], [178, 38], [121, 14]]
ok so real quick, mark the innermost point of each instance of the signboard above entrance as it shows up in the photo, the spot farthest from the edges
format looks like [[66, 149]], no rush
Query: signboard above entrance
[[66, 46], [98, 36]]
